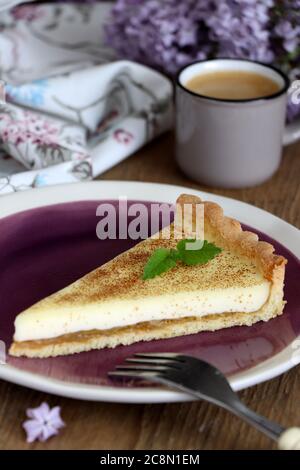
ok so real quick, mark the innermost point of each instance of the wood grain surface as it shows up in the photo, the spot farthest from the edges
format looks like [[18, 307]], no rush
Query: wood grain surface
[[195, 425]]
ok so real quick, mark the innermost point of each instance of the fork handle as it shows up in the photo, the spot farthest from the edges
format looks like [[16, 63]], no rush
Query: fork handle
[[271, 429], [287, 439]]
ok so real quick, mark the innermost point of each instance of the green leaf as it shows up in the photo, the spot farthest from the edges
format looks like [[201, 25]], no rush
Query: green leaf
[[164, 259], [197, 256], [160, 261]]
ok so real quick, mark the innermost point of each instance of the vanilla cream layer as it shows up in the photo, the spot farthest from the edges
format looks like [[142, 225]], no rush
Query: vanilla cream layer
[[36, 324]]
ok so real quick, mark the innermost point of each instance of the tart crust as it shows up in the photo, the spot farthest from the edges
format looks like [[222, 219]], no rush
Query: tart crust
[[227, 233]]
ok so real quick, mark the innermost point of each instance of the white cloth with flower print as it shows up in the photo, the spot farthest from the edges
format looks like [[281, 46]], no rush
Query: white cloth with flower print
[[70, 112], [5, 4]]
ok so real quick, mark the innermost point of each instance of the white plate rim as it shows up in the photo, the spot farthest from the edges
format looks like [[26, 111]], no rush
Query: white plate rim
[[275, 227]]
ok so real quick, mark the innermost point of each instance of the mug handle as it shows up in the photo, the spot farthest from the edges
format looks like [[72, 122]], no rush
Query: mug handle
[[291, 132]]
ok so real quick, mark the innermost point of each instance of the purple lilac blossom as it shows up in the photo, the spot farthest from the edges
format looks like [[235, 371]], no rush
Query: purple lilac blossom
[[170, 34], [43, 422], [240, 29], [165, 36]]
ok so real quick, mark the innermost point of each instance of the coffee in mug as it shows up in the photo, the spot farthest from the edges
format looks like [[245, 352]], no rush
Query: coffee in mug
[[232, 85]]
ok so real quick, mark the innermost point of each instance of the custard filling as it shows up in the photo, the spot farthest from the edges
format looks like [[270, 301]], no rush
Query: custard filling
[[227, 284]]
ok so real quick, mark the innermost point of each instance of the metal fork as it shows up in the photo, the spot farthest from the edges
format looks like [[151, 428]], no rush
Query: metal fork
[[204, 381]]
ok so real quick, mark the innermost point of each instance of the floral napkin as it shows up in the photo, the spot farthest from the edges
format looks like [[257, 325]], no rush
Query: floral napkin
[[5, 4], [71, 111]]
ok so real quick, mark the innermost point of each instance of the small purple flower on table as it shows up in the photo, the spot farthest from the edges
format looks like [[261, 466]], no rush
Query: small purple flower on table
[[43, 422]]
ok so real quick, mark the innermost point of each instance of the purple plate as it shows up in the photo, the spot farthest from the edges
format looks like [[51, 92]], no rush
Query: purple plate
[[43, 250]]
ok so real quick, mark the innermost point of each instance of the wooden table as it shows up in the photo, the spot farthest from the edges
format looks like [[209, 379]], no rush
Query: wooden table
[[173, 426]]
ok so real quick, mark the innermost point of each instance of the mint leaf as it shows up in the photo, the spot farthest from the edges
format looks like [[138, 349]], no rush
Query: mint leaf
[[160, 261], [164, 259], [202, 256]]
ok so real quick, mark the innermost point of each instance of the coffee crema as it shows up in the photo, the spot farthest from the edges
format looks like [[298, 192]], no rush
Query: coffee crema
[[232, 85]]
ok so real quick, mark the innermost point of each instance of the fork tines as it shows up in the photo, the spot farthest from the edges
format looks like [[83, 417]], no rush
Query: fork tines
[[147, 365]]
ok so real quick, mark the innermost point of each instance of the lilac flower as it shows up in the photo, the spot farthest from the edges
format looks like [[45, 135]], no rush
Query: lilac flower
[[289, 33], [168, 35], [285, 33], [43, 423], [241, 29], [165, 35]]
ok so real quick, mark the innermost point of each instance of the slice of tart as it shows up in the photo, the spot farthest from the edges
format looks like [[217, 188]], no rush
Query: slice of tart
[[113, 305]]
